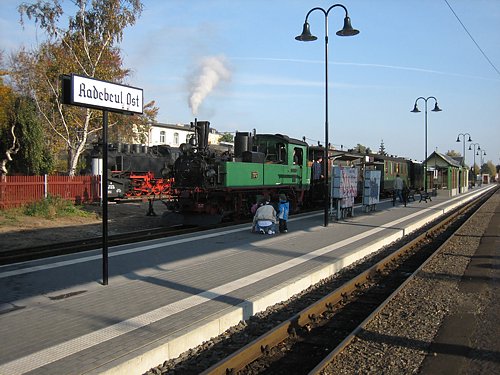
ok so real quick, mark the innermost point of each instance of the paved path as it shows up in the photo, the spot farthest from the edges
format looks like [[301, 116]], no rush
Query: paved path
[[468, 341]]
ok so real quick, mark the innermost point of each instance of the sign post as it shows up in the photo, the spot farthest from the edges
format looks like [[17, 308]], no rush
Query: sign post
[[107, 96]]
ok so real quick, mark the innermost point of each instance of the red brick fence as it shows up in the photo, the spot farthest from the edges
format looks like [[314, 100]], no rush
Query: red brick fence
[[18, 190]]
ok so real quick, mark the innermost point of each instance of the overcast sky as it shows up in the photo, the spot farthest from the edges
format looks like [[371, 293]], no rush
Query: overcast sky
[[257, 76]]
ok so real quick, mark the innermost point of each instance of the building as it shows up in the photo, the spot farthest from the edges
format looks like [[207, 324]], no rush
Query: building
[[446, 175], [175, 134]]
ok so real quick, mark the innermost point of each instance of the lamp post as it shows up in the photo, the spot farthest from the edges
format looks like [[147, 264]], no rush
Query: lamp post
[[481, 152], [416, 110], [463, 158], [474, 164], [306, 36], [463, 140]]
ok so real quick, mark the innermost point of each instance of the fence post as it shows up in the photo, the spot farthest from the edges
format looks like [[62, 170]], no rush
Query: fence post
[[45, 186]]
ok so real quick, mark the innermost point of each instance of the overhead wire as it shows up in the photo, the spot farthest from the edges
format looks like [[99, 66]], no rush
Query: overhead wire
[[472, 38]]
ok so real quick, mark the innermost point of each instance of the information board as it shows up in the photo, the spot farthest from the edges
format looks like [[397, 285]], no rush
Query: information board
[[371, 188], [345, 185]]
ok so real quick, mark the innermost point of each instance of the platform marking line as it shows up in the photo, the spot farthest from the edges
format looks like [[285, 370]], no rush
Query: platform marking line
[[179, 241], [91, 258], [70, 347], [65, 349]]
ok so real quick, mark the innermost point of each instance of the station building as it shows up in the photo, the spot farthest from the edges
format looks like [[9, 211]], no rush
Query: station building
[[446, 175]]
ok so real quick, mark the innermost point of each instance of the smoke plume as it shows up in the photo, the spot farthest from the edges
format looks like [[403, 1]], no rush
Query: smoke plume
[[211, 71]]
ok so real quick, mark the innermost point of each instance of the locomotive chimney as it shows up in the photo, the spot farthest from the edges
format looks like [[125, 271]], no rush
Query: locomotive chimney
[[201, 129]]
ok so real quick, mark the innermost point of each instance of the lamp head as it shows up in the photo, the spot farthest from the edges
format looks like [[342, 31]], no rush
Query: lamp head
[[415, 109], [306, 35], [458, 138], [470, 147], [470, 139], [436, 108], [347, 30]]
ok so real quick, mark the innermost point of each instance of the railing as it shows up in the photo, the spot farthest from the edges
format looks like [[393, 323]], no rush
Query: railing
[[16, 191]]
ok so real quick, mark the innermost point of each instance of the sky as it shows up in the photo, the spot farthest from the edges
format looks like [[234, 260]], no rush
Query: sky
[[257, 76]]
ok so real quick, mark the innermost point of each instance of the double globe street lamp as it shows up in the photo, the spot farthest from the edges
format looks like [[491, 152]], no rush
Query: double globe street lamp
[[306, 36], [463, 158], [416, 110], [482, 153], [463, 139], [474, 174]]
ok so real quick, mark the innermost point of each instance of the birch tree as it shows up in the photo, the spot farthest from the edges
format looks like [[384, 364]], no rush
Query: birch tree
[[9, 144], [89, 46]]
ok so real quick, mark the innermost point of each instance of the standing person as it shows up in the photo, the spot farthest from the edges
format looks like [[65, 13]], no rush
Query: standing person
[[265, 219], [283, 209], [398, 188], [317, 177], [317, 169]]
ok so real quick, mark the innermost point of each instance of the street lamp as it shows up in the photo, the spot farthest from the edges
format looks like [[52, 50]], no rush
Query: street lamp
[[474, 165], [463, 140], [416, 110], [463, 158], [306, 36], [481, 152]]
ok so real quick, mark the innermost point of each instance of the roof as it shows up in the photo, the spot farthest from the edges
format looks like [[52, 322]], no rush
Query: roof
[[185, 127], [451, 161]]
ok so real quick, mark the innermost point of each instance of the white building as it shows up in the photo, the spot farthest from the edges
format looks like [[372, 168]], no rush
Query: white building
[[175, 134]]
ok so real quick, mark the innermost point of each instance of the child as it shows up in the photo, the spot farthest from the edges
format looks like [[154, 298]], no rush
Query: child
[[283, 209]]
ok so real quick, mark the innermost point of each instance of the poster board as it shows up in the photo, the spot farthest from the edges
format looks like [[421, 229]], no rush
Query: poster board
[[344, 185], [371, 188]]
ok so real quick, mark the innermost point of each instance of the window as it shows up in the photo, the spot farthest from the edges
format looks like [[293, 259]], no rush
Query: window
[[297, 156], [162, 136], [176, 138]]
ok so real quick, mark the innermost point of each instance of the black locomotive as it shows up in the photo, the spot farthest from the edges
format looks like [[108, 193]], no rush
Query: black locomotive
[[136, 170]]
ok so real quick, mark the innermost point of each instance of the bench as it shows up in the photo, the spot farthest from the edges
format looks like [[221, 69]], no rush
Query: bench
[[410, 195], [424, 196]]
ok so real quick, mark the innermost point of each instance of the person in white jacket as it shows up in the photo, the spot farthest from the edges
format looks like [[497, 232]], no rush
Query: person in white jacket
[[265, 219]]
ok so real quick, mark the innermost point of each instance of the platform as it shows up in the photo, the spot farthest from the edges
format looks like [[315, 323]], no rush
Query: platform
[[168, 295]]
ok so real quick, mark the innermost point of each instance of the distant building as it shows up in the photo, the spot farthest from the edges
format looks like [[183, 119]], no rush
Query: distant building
[[175, 134]]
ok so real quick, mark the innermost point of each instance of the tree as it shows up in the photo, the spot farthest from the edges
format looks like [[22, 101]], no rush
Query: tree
[[87, 46], [226, 137], [9, 145], [381, 149], [360, 148], [22, 139], [489, 168], [34, 156], [453, 154]]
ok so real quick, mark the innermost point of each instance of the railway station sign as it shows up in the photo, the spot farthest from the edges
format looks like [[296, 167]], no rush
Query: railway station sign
[[93, 93]]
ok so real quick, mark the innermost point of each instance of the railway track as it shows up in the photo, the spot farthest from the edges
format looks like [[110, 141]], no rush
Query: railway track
[[311, 339]]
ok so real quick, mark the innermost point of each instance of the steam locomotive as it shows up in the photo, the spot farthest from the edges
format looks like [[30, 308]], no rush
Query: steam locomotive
[[136, 170], [209, 184]]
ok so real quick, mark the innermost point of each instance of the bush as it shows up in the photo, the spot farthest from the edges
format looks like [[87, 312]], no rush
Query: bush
[[53, 207]]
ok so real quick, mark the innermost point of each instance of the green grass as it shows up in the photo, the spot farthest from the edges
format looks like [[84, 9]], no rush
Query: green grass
[[10, 216], [54, 207]]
